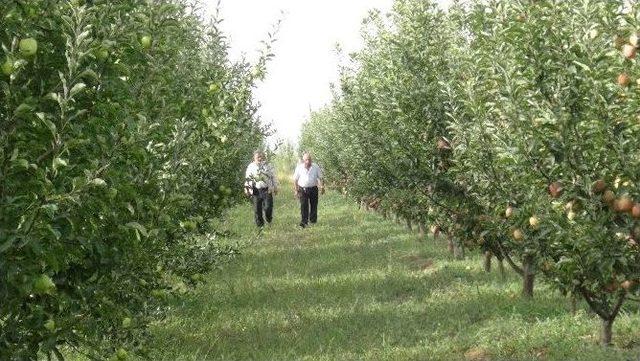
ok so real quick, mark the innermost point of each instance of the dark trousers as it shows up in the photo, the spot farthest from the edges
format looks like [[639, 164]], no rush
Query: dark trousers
[[308, 205], [262, 203]]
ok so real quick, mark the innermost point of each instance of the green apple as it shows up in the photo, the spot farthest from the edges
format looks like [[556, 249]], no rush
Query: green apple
[[112, 193], [518, 235], [43, 284], [145, 41], [509, 212], [28, 47], [189, 226], [102, 54], [50, 325], [7, 67]]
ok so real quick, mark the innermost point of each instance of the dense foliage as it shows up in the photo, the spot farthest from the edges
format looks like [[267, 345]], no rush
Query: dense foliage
[[124, 129], [510, 125]]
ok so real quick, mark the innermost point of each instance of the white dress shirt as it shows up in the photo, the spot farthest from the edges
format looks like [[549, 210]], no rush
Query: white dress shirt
[[260, 175], [307, 177]]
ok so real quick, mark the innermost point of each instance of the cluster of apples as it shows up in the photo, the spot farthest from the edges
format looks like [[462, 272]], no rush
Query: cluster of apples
[[621, 204], [629, 51], [556, 190], [28, 48], [518, 234]]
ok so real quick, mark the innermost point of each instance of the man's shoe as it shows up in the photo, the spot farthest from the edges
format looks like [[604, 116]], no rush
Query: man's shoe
[[302, 225]]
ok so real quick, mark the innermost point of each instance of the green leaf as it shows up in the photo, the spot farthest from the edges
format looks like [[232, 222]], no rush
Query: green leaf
[[22, 163], [139, 227], [583, 66], [98, 182], [53, 96], [89, 75], [56, 233], [78, 114], [59, 163], [77, 89], [7, 244], [50, 209], [22, 110], [52, 127]]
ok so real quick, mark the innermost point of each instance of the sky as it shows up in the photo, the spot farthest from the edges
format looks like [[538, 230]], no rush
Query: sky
[[305, 62]]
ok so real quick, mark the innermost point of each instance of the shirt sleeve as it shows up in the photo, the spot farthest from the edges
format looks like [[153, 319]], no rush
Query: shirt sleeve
[[296, 174]]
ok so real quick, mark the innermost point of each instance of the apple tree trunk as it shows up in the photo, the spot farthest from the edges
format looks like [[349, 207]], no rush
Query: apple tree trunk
[[607, 332], [487, 261], [458, 251], [528, 277]]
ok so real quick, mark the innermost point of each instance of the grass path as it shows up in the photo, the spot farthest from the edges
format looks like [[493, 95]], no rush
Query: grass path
[[355, 287]]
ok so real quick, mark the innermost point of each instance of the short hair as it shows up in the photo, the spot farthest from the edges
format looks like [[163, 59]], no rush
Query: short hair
[[258, 152], [308, 154]]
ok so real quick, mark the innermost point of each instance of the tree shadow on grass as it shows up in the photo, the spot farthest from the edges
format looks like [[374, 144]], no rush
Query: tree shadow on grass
[[309, 314], [308, 320]]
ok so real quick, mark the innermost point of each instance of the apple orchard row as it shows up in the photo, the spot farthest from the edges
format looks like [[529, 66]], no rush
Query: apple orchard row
[[509, 127]]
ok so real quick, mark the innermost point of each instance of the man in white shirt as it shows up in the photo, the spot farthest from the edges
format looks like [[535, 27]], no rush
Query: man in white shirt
[[261, 184], [307, 179]]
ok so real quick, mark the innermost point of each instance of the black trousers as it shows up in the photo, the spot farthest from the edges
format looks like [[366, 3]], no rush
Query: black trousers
[[308, 205], [262, 203]]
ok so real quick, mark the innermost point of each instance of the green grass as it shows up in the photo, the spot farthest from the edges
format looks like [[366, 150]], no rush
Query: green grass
[[356, 287]]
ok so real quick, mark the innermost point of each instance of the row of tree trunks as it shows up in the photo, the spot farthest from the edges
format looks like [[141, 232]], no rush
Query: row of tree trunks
[[527, 271]]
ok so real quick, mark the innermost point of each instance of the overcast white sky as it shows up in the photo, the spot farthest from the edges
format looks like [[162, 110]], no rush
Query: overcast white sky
[[305, 61]]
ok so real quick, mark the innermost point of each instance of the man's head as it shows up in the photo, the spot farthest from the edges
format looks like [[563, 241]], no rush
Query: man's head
[[258, 156], [306, 159]]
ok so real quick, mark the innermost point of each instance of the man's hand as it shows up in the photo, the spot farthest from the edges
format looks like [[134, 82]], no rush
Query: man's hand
[[246, 192], [275, 191], [322, 190]]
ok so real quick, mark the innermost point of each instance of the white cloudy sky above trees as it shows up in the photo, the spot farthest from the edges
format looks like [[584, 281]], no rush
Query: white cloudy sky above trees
[[305, 62]]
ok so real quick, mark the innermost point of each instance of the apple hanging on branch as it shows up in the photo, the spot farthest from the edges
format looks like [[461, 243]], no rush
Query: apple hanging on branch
[[599, 186], [624, 80], [629, 51], [555, 189]]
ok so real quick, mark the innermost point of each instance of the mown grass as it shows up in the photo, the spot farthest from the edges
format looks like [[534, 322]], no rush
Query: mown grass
[[356, 287]]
